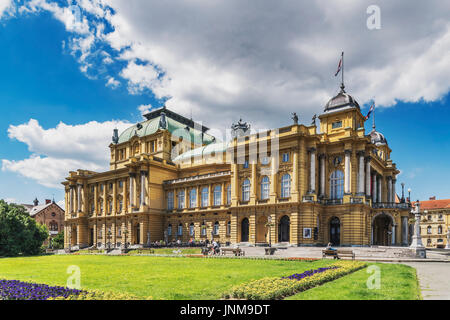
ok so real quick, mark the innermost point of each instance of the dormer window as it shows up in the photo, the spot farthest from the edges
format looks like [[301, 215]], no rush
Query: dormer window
[[336, 125]]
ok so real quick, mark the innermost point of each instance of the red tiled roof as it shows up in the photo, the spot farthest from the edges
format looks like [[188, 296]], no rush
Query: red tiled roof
[[434, 204]]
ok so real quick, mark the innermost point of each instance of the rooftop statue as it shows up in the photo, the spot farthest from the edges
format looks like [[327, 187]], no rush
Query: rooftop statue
[[240, 129], [295, 118]]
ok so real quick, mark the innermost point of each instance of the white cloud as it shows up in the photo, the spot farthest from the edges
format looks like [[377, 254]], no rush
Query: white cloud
[[112, 83], [4, 6], [56, 151], [262, 61], [144, 108]]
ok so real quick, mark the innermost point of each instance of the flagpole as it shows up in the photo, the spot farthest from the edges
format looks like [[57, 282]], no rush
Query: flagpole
[[373, 126], [342, 84]]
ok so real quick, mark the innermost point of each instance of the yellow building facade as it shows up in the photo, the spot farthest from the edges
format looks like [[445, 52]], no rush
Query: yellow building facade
[[435, 222], [296, 185]]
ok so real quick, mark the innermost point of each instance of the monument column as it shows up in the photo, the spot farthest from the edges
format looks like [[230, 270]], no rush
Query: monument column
[[417, 244]]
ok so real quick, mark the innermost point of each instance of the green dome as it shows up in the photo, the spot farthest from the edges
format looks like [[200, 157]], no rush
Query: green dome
[[149, 127]]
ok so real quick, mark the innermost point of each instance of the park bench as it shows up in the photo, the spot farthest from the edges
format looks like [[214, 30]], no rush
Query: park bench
[[145, 251], [235, 251], [332, 253], [346, 253], [338, 254]]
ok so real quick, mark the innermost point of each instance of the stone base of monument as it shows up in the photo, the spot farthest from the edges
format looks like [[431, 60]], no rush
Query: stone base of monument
[[419, 252]]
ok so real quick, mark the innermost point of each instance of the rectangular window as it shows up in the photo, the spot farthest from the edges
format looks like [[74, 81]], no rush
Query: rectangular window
[[205, 197], [170, 201], [337, 124], [181, 199], [193, 198], [245, 164], [285, 157]]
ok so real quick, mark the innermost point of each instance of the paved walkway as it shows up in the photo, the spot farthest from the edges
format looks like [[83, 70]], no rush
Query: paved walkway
[[434, 279]]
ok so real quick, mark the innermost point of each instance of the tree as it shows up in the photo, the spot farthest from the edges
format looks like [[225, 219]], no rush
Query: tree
[[19, 233], [58, 241]]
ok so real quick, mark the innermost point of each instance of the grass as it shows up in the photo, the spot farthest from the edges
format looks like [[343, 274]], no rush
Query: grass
[[398, 282], [159, 277]]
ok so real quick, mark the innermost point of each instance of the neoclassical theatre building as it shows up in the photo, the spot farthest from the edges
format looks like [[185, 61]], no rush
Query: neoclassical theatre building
[[299, 185]]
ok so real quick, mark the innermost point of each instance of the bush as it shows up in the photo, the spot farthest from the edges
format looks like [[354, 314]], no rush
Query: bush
[[276, 288], [19, 233]]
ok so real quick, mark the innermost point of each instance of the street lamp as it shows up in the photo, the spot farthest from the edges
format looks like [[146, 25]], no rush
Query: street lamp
[[270, 225], [403, 193], [409, 194]]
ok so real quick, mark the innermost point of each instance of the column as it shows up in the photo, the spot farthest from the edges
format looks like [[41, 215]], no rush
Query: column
[[115, 208], [131, 202], [71, 199], [295, 172], [374, 187], [368, 176], [78, 197], [142, 202], [393, 234], [96, 201], [389, 193], [322, 175], [274, 178], [347, 172], [361, 175], [253, 183], [405, 230], [312, 173], [379, 185], [393, 190]]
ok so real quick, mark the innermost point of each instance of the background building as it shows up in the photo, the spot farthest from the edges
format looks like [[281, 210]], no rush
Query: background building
[[170, 180], [435, 222], [49, 214]]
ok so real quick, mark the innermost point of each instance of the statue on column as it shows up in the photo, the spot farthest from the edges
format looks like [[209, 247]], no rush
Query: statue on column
[[313, 123], [295, 118], [417, 245]]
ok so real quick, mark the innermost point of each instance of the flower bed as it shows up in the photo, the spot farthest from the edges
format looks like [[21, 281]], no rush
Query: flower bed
[[18, 290], [276, 288]]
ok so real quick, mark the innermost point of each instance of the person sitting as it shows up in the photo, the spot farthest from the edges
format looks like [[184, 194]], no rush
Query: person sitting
[[329, 247]]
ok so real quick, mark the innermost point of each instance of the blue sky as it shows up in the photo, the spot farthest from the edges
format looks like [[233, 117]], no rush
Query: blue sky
[[47, 77]]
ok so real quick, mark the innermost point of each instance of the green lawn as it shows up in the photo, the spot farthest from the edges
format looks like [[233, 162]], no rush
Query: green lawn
[[159, 277], [398, 282]]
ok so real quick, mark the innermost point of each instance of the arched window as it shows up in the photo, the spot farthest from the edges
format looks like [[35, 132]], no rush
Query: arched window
[[217, 195], [229, 194], [205, 197], [180, 229], [429, 230], [203, 229], [246, 190], [337, 185], [286, 186], [169, 230], [216, 228], [265, 185], [193, 198], [191, 229]]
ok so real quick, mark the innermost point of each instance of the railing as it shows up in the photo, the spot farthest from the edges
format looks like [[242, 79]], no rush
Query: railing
[[333, 201], [391, 205], [308, 198]]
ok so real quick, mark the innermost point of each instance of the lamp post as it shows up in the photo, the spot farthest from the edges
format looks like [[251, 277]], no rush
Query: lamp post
[[403, 193], [409, 194]]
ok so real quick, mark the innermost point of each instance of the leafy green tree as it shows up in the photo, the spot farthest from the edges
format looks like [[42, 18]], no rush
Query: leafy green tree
[[19, 233], [58, 241]]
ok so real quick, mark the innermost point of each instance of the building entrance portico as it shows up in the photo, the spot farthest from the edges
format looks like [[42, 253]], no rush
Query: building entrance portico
[[382, 230], [283, 229]]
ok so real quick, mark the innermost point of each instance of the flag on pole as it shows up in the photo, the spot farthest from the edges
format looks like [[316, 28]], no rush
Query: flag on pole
[[339, 66], [372, 107]]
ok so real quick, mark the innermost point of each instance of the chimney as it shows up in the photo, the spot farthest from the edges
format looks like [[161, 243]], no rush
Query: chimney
[[47, 201], [433, 198]]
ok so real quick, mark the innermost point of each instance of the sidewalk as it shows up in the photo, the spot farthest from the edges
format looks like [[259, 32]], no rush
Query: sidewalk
[[434, 280]]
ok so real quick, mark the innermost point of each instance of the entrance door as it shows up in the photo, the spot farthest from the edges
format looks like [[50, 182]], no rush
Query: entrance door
[[244, 230], [335, 231], [138, 234], [91, 239], [283, 229], [261, 230]]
